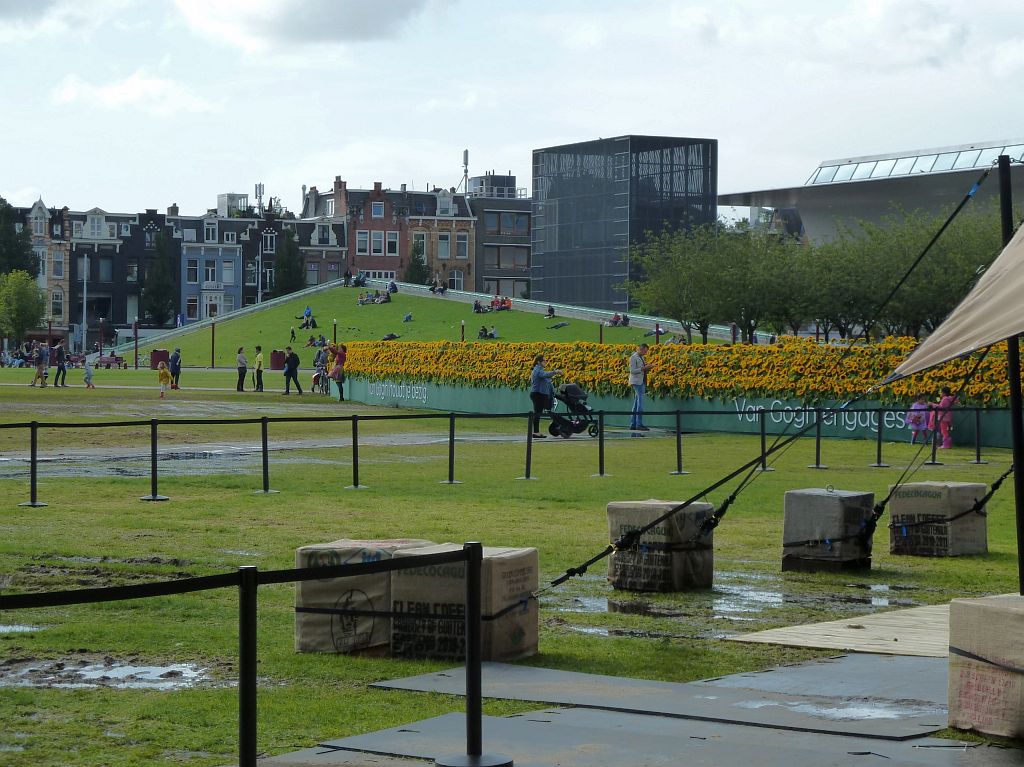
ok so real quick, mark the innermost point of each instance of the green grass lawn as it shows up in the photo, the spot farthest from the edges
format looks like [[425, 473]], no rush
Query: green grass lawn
[[434, 319], [96, 532]]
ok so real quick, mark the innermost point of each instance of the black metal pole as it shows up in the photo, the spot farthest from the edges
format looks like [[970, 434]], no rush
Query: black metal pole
[[33, 468], [977, 437], [817, 440], [679, 445], [265, 447], [355, 452], [266, 454], [1013, 376], [474, 650], [600, 444], [934, 460], [764, 441], [247, 587], [451, 449], [474, 756], [529, 444], [154, 495], [878, 442]]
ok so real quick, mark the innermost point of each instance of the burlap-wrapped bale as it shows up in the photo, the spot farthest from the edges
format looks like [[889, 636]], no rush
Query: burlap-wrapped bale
[[986, 665], [823, 529], [673, 556], [323, 632], [434, 599], [929, 519]]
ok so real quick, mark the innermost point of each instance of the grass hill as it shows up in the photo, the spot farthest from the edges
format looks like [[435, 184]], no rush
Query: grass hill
[[434, 319]]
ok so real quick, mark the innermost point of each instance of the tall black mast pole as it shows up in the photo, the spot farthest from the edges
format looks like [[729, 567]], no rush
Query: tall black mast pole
[[1013, 376]]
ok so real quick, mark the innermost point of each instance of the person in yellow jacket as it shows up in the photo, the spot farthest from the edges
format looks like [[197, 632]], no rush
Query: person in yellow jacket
[[163, 375], [259, 368]]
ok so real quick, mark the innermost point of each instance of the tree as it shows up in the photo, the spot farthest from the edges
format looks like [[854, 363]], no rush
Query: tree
[[416, 272], [288, 272], [15, 247], [674, 276], [22, 304], [159, 295]]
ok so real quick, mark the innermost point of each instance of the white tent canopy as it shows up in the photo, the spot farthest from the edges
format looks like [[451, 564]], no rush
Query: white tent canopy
[[992, 312]]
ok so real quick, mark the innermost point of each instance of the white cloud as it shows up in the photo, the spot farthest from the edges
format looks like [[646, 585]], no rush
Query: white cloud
[[24, 20], [259, 26], [139, 91]]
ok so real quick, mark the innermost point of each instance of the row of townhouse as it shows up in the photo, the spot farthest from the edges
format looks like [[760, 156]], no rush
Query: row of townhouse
[[93, 264], [474, 241]]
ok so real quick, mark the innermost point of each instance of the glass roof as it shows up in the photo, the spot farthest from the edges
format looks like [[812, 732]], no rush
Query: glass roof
[[910, 163]]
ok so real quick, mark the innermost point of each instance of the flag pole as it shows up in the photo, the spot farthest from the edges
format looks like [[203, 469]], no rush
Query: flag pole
[[1013, 377]]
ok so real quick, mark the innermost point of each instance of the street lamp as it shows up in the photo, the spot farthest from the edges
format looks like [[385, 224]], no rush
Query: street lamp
[[135, 332], [101, 336], [85, 301], [335, 330]]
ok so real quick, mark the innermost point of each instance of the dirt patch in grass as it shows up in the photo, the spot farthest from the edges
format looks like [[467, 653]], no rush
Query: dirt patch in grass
[[93, 672]]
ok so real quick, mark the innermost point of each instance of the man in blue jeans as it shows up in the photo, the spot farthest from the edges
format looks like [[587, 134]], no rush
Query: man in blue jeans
[[638, 380], [291, 371]]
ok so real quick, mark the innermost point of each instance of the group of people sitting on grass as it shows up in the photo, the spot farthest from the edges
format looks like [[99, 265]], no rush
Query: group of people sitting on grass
[[374, 298], [485, 333], [437, 287], [497, 304], [618, 321], [316, 343]]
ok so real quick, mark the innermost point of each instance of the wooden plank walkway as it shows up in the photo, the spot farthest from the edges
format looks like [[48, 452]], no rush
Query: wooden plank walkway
[[922, 631]]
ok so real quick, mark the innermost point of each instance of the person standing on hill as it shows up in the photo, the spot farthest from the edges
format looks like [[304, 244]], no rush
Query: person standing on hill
[[174, 365], [291, 371], [258, 365], [243, 367], [638, 380]]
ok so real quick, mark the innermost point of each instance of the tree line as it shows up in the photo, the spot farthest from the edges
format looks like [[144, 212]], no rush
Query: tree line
[[759, 279]]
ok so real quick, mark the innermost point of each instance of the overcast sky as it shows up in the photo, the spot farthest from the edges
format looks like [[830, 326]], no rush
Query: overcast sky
[[134, 104]]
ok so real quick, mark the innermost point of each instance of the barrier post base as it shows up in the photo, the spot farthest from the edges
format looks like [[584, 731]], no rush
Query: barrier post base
[[34, 504], [878, 466], [265, 492], [817, 466], [678, 473], [600, 475], [527, 478], [154, 498], [357, 487], [453, 482], [464, 760]]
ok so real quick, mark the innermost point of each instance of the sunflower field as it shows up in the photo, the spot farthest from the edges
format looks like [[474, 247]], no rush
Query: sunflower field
[[793, 368]]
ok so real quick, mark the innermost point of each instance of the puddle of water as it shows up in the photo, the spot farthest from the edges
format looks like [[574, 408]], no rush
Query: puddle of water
[[123, 676], [8, 749], [16, 629], [176, 464], [857, 710], [239, 552]]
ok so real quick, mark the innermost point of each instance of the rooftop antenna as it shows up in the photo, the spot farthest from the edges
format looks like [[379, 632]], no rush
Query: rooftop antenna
[[259, 198], [465, 171]]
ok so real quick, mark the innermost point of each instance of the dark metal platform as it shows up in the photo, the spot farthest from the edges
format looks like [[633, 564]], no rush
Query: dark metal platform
[[858, 709], [813, 702]]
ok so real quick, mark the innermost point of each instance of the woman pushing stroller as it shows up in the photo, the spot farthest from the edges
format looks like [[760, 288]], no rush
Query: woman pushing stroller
[[542, 393]]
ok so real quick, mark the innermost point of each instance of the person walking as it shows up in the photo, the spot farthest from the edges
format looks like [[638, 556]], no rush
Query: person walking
[[174, 366], [917, 419], [337, 373], [243, 368], [87, 380], [944, 416], [542, 393], [163, 376], [37, 361], [61, 358], [291, 371], [258, 365], [638, 380]]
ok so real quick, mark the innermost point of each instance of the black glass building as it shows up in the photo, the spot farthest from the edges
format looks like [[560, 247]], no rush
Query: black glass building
[[593, 200]]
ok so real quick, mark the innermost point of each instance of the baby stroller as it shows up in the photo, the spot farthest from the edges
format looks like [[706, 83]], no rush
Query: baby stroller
[[579, 416]]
